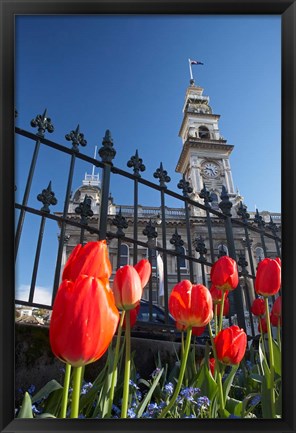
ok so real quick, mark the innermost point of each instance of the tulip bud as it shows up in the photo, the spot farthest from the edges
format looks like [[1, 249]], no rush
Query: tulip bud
[[143, 268], [224, 273], [263, 323], [191, 305], [258, 307], [127, 288], [231, 345], [91, 259], [268, 277]]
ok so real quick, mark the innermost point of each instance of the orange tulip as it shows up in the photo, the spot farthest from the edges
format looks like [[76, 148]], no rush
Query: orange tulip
[[127, 288], [143, 268], [268, 277], [91, 259], [191, 305], [258, 307], [231, 345], [83, 322], [224, 273]]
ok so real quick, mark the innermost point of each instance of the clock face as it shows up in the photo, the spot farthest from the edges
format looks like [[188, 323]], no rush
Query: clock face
[[211, 169]]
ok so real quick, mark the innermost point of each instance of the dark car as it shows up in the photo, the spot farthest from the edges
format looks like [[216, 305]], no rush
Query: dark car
[[157, 328]]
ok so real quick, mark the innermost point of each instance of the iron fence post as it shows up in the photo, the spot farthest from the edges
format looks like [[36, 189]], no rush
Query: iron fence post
[[107, 153], [235, 296]]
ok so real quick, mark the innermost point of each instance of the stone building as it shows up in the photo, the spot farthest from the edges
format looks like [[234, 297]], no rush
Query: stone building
[[205, 163]]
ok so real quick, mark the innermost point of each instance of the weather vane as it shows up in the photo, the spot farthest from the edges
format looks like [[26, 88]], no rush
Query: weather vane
[[193, 62]]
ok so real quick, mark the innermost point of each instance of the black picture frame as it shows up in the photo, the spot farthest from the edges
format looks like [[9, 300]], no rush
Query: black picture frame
[[9, 9]]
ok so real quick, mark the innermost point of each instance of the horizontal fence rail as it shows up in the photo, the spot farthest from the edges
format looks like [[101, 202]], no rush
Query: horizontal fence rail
[[183, 239]]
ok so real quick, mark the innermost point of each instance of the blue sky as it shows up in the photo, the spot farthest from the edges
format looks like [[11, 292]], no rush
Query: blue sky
[[129, 74]]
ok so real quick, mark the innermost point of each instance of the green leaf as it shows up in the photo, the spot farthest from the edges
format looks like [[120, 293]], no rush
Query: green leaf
[[278, 403], [228, 382], [26, 408], [53, 402], [147, 398], [277, 358], [46, 415], [206, 382], [44, 392], [234, 406]]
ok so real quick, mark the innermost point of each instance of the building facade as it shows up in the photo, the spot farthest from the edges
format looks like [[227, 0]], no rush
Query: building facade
[[192, 230]]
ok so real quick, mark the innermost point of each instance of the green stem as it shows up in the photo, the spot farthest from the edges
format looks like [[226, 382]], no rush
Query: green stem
[[127, 365], [115, 362], [77, 372], [262, 338], [181, 374], [182, 344], [271, 359], [279, 334], [216, 319], [64, 403], [221, 311], [218, 372]]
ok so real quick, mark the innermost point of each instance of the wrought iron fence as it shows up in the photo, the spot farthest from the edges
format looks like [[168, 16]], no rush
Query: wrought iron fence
[[194, 227]]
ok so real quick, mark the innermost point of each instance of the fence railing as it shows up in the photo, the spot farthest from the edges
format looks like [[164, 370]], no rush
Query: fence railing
[[186, 238]]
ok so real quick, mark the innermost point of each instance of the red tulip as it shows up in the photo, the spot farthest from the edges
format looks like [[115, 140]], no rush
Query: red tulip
[[191, 305], [262, 320], [83, 321], [277, 307], [225, 309], [143, 268], [275, 320], [217, 294], [268, 277], [276, 312], [224, 273], [258, 307], [212, 363], [91, 259], [127, 288], [181, 327], [231, 345], [198, 330]]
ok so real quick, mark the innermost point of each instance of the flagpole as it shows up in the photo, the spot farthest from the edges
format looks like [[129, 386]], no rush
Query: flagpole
[[190, 69]]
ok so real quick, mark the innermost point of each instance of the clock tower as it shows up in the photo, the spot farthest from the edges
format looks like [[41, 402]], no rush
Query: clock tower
[[204, 159]]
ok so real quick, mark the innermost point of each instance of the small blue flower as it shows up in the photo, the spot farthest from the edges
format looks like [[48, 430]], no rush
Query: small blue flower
[[131, 413], [169, 388], [36, 410], [203, 402], [116, 409], [255, 400], [81, 416], [249, 365], [139, 395], [233, 416], [152, 407], [31, 389], [133, 384], [155, 373], [190, 416]]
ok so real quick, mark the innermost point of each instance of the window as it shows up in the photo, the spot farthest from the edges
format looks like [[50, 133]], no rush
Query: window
[[182, 260], [124, 255], [259, 254], [222, 250], [204, 132]]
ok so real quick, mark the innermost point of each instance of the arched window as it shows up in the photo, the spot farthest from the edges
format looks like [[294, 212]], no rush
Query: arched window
[[222, 250], [182, 260], [259, 254], [204, 132], [124, 255]]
